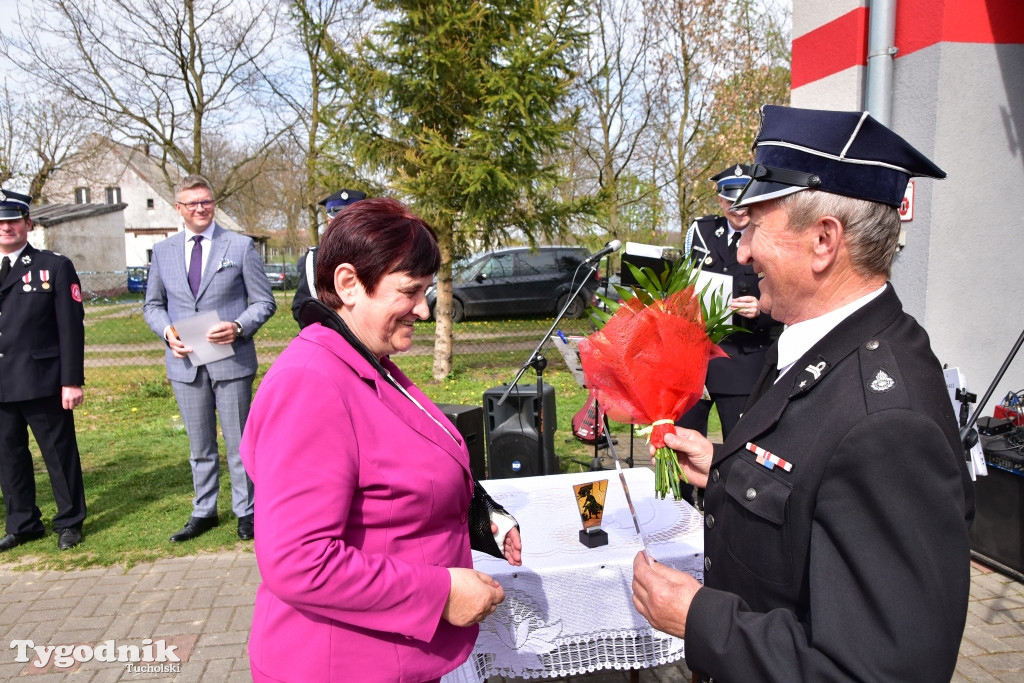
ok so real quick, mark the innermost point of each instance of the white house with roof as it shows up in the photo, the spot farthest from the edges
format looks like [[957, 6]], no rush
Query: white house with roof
[[107, 172]]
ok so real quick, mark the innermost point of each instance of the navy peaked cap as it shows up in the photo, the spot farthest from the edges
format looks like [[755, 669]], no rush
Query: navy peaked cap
[[340, 199], [843, 152], [13, 205], [731, 180]]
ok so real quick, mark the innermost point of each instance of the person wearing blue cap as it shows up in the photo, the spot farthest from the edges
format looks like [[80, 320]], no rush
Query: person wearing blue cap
[[837, 510], [712, 241], [42, 370], [305, 289]]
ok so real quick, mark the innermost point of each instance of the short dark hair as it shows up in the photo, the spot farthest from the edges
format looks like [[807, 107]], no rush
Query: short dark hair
[[377, 236]]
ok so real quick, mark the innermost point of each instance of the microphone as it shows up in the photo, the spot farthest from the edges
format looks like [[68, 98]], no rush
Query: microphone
[[609, 248]]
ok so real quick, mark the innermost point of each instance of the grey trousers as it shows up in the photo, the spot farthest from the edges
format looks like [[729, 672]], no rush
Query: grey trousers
[[200, 402]]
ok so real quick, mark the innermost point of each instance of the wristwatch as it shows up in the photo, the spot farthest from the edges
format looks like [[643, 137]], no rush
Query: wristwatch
[[238, 329]]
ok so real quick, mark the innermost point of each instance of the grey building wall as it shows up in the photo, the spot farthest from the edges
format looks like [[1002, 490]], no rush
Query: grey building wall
[[959, 273], [961, 104]]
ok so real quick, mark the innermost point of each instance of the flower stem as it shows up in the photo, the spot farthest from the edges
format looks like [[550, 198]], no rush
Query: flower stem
[[667, 474]]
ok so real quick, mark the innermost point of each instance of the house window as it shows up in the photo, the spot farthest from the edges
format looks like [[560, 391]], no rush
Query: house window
[[149, 203], [81, 195], [113, 195]]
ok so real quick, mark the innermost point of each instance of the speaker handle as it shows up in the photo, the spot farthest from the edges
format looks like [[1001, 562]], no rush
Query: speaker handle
[[538, 362]]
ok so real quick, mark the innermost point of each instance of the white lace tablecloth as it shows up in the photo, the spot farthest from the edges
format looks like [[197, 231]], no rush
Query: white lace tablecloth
[[568, 609]]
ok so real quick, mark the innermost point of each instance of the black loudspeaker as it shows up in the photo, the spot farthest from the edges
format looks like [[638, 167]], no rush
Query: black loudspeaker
[[512, 432], [997, 535], [469, 420]]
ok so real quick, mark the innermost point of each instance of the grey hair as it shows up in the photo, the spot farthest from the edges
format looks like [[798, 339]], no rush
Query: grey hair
[[871, 229], [191, 182]]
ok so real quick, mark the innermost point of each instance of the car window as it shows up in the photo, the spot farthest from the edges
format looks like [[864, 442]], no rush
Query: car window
[[570, 259], [466, 268], [540, 263], [499, 265]]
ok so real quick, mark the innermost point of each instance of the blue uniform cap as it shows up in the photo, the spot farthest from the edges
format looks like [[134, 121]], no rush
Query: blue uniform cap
[[340, 199], [13, 205], [843, 152], [731, 181]]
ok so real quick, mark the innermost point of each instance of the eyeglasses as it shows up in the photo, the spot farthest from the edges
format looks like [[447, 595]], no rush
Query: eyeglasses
[[192, 206]]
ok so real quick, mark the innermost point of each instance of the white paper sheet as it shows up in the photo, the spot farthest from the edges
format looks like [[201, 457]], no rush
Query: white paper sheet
[[192, 332]]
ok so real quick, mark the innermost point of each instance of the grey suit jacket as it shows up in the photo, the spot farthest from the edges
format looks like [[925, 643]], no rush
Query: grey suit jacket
[[234, 285]]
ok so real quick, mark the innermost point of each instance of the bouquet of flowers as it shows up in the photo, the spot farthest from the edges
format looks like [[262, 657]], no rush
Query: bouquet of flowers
[[647, 362]]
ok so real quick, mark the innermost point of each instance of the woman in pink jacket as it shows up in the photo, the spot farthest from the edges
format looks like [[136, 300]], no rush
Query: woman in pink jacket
[[362, 485]]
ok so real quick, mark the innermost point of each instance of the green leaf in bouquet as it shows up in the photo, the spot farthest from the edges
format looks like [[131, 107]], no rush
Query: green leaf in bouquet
[[674, 277]]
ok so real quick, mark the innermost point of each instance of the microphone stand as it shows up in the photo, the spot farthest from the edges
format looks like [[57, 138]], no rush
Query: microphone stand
[[538, 362]]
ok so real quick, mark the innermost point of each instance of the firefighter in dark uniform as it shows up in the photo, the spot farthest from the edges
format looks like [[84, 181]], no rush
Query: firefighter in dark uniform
[[837, 510], [711, 241], [306, 287], [42, 349]]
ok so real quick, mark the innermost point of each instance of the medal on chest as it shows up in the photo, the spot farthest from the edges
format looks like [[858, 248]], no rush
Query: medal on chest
[[27, 279], [44, 279]]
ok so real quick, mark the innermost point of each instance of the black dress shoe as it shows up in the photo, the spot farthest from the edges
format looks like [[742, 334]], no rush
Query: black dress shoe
[[14, 540], [68, 538], [246, 530], [196, 526]]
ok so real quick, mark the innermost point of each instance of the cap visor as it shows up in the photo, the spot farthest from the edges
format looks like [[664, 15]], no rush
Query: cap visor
[[10, 214], [761, 191]]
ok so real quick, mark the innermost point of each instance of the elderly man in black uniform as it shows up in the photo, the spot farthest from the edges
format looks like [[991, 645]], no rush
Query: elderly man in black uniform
[[712, 241], [42, 350], [306, 287], [837, 510]]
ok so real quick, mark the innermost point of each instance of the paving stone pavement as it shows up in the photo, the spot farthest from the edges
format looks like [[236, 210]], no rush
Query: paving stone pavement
[[202, 606]]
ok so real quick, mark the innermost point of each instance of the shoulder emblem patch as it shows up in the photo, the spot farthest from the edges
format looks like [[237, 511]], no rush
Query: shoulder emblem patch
[[882, 382]]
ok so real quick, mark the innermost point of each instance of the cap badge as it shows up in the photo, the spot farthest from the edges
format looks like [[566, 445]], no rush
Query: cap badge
[[3, 197], [882, 382], [737, 171], [344, 195], [720, 231]]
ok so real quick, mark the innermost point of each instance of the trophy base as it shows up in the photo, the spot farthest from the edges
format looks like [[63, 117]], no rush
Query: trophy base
[[594, 538]]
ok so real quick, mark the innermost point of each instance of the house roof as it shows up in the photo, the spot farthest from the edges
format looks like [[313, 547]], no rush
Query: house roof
[[49, 215], [147, 168]]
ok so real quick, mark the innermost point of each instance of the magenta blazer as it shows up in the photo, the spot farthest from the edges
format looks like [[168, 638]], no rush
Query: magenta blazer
[[361, 503]]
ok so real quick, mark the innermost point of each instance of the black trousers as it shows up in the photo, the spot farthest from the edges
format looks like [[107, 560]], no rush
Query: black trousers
[[54, 430]]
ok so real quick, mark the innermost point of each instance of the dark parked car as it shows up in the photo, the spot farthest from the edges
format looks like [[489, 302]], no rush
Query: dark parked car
[[138, 277], [281, 276], [517, 281]]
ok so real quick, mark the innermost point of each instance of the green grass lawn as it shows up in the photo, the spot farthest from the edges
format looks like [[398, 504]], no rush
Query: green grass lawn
[[138, 483]]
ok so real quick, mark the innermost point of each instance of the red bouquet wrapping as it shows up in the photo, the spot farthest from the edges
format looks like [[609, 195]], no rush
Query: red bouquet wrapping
[[647, 366]]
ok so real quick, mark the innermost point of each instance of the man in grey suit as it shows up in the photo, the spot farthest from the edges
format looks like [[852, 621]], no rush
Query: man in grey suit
[[207, 268]]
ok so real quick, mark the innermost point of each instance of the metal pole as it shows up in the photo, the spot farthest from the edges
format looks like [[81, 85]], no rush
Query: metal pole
[[881, 58]]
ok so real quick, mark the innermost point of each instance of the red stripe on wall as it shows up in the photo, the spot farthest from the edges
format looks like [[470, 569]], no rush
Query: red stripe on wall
[[842, 43], [829, 49], [923, 23]]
